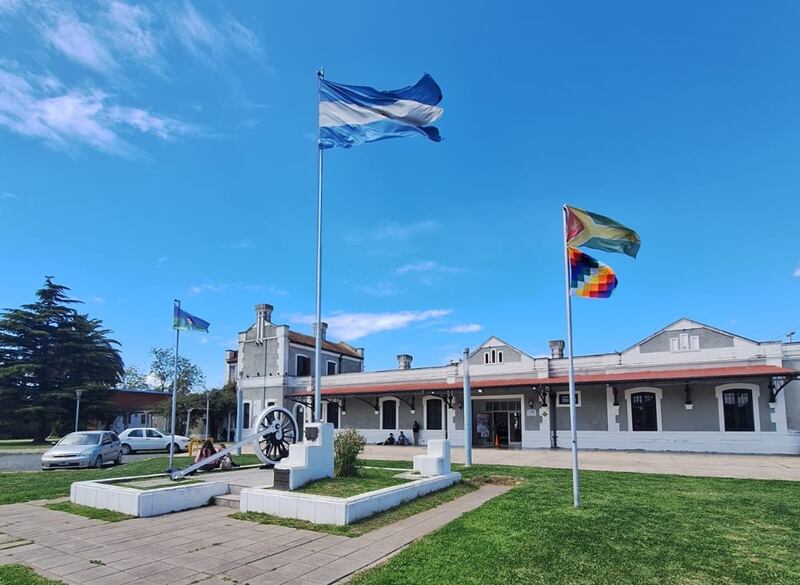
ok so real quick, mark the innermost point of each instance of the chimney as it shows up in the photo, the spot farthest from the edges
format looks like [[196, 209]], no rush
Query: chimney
[[324, 330], [263, 316], [556, 349], [230, 355], [404, 361]]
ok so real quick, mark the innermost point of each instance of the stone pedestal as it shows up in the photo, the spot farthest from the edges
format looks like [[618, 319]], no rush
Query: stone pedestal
[[437, 460], [307, 461]]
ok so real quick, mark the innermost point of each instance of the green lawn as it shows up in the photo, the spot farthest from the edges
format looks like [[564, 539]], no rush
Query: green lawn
[[22, 445], [371, 523], [631, 529], [153, 483], [42, 485], [88, 512], [367, 480], [19, 575]]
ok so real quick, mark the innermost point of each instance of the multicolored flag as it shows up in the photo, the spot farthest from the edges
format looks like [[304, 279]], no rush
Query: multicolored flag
[[354, 114], [588, 277], [188, 322], [592, 230]]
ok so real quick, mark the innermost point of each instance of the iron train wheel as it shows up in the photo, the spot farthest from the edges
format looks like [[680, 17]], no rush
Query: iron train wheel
[[274, 446]]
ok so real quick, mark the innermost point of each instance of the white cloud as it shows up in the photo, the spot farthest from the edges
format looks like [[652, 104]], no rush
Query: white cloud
[[218, 287], [39, 107], [7, 195], [210, 42], [130, 31], [99, 300], [9, 6], [466, 328], [77, 40], [383, 288], [352, 326], [796, 272], [391, 231], [425, 266]]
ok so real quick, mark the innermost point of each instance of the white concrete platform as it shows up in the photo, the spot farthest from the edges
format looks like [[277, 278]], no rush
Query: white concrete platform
[[107, 495], [339, 511]]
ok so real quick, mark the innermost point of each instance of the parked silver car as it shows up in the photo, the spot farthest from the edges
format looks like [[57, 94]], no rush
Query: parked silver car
[[84, 449]]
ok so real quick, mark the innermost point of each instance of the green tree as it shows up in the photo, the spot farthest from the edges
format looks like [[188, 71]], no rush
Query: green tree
[[47, 351], [162, 369], [134, 378]]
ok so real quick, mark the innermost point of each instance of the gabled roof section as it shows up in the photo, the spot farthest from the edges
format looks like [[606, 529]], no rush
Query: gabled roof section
[[494, 342], [686, 323]]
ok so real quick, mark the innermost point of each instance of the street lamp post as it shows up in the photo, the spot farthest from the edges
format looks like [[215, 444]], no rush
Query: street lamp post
[[208, 401], [78, 393], [188, 420]]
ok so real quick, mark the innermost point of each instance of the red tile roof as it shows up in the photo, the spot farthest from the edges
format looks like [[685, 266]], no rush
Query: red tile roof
[[620, 377], [309, 341]]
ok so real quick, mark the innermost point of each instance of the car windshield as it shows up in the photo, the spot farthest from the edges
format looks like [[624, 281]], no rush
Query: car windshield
[[80, 439]]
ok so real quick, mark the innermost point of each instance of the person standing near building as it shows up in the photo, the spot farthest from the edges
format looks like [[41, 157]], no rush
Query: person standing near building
[[415, 431]]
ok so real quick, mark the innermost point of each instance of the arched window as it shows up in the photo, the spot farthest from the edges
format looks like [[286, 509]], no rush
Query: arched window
[[737, 406], [644, 411], [434, 414], [389, 414]]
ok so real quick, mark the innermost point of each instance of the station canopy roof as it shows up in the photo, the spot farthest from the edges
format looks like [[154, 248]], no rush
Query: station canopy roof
[[675, 375]]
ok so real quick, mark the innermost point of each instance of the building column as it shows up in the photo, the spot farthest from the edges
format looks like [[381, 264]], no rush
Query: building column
[[611, 410], [777, 412]]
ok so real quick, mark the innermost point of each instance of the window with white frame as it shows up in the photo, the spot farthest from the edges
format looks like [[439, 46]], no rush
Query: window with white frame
[[303, 365], [389, 414], [331, 368], [332, 413], [493, 356], [562, 398], [434, 414], [684, 342]]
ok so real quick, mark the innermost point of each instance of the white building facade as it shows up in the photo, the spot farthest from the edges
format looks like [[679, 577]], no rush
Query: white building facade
[[687, 387]]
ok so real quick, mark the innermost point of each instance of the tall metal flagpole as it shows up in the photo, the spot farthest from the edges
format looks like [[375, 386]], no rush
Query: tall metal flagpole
[[318, 315], [576, 495], [467, 412], [174, 391]]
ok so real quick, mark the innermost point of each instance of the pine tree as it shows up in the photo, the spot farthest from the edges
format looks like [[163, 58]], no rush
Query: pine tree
[[47, 351]]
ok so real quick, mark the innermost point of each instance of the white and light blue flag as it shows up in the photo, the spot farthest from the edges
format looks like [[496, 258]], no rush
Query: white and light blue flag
[[353, 114]]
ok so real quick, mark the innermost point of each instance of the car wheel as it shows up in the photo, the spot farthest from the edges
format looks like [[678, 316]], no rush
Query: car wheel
[[175, 448], [118, 460], [126, 449], [98, 463]]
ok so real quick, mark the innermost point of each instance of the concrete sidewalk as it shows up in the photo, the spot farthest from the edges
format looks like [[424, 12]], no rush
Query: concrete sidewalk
[[204, 546], [786, 467]]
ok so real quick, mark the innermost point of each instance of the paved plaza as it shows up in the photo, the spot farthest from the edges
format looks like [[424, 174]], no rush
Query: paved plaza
[[786, 467], [203, 546]]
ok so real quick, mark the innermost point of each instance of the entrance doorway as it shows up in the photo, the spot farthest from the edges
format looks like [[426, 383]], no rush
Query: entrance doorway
[[497, 423]]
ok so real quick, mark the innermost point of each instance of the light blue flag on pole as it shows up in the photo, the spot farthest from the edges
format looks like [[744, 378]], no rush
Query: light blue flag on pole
[[354, 114]]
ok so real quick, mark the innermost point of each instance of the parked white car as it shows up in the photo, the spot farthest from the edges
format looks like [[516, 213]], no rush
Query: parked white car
[[144, 439]]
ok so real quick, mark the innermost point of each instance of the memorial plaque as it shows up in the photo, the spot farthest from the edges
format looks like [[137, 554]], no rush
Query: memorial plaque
[[281, 479]]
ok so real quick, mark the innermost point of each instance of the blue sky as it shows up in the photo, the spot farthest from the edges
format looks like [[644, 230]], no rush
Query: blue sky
[[166, 150]]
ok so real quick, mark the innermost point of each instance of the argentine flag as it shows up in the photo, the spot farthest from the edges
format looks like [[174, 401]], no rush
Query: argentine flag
[[353, 114]]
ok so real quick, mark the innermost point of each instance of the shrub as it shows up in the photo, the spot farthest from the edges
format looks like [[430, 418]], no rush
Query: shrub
[[347, 447]]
